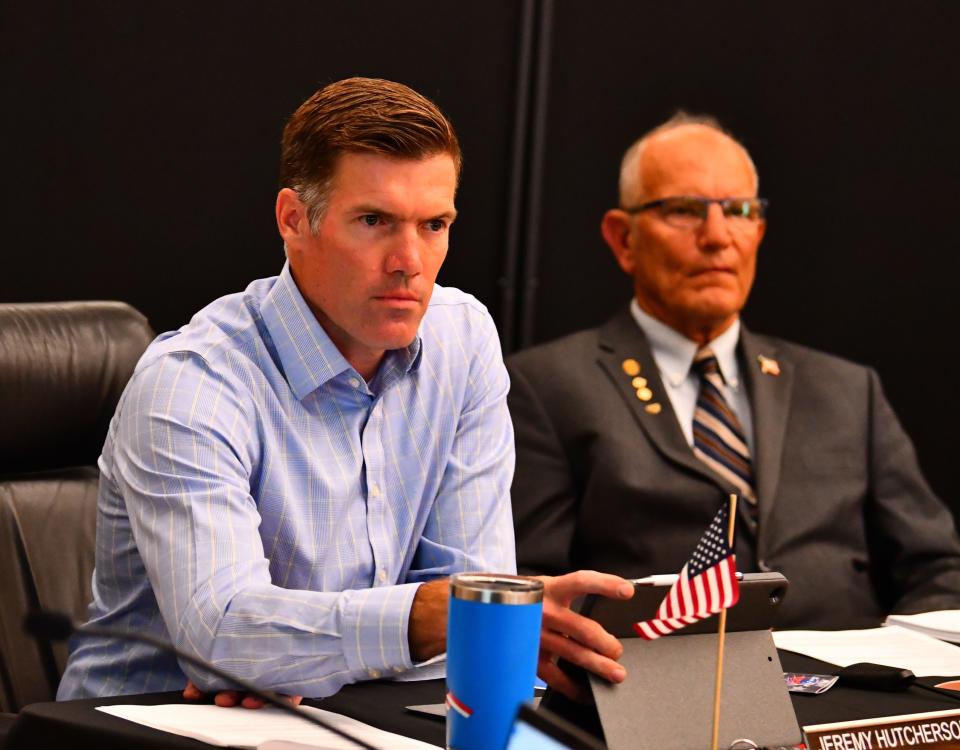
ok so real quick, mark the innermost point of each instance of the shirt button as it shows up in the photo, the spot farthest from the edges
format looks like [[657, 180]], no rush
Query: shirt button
[[354, 382], [383, 575], [374, 674], [398, 670], [375, 490]]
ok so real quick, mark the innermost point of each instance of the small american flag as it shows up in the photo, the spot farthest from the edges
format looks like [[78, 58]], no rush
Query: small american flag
[[707, 584]]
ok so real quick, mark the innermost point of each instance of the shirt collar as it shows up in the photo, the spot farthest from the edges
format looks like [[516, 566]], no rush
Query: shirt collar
[[673, 352], [308, 356]]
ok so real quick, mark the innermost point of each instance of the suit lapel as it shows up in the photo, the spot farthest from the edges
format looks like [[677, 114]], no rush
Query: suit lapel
[[622, 339], [770, 401]]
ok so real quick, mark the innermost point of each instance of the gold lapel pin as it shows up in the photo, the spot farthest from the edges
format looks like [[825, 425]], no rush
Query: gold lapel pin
[[768, 366], [652, 408], [632, 368]]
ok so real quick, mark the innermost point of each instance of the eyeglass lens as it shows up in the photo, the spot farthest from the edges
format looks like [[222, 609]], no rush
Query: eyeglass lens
[[691, 211]]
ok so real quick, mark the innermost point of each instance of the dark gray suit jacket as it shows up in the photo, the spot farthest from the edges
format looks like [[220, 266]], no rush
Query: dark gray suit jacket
[[844, 511]]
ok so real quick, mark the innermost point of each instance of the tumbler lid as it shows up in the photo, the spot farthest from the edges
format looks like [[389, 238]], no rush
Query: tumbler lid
[[496, 588]]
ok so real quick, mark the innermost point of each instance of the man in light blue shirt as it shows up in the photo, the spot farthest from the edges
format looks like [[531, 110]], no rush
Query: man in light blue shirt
[[290, 477]]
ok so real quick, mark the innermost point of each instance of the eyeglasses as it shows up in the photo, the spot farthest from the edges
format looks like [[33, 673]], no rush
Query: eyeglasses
[[690, 211]]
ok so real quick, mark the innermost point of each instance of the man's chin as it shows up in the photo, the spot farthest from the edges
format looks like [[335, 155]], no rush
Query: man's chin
[[394, 329], [716, 303], [709, 314], [388, 340]]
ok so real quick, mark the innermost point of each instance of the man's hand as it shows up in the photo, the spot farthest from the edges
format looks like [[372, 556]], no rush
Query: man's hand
[[578, 639], [427, 629], [230, 698]]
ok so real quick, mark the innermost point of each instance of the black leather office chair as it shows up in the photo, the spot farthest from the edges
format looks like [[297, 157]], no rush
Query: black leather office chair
[[63, 367]]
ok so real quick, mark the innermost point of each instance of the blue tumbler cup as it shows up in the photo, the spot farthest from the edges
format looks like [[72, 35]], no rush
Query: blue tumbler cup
[[493, 637]]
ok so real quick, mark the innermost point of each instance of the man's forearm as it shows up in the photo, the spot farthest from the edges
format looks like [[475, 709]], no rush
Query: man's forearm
[[427, 630], [306, 643]]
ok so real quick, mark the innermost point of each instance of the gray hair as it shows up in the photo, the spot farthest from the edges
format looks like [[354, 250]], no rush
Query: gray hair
[[631, 188], [315, 196]]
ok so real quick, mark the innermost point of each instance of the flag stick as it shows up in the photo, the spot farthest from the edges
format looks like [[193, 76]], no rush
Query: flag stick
[[721, 632]]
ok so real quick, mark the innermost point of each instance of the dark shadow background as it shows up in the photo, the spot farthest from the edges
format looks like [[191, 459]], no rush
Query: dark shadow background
[[139, 143]]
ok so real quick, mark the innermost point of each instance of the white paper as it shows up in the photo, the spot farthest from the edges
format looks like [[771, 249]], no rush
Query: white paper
[[440, 709], [431, 669], [891, 646], [266, 728], [943, 624]]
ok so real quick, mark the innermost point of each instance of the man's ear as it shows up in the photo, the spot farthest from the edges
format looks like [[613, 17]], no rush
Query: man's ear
[[615, 228], [292, 219]]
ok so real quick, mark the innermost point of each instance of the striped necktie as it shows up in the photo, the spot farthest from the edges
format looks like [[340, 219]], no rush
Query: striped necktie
[[718, 438]]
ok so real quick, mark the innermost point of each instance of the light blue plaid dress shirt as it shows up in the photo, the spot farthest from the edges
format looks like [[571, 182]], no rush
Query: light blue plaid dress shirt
[[265, 508]]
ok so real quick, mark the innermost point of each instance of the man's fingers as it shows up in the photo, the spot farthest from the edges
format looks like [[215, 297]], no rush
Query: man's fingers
[[578, 639], [227, 698], [564, 589], [192, 693], [555, 677], [231, 698], [569, 649], [250, 701], [582, 629]]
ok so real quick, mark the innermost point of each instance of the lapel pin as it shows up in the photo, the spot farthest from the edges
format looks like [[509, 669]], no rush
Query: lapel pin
[[768, 366], [652, 408], [631, 367]]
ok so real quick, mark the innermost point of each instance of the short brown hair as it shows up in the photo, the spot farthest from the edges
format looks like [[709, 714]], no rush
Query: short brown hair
[[358, 115]]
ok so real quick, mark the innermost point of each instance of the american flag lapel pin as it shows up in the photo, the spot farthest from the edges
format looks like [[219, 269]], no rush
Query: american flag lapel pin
[[768, 366], [459, 706]]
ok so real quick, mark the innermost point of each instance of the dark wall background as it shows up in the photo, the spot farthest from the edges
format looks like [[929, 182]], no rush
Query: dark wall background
[[138, 145], [140, 140]]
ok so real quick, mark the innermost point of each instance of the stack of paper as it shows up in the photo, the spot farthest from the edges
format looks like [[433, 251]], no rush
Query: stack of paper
[[266, 728], [943, 624], [891, 646]]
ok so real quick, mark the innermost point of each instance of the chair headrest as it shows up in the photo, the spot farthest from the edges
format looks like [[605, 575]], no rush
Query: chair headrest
[[63, 367]]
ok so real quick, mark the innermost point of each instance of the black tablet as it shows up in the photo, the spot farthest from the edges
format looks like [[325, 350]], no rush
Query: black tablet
[[760, 596]]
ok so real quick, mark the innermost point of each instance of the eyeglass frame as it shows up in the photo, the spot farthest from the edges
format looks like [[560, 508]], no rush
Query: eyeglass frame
[[762, 214]]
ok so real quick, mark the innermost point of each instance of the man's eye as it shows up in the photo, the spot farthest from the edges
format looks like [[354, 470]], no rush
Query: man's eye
[[742, 209], [370, 220], [436, 225], [686, 208]]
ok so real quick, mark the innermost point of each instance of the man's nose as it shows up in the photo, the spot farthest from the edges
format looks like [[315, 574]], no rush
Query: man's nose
[[405, 254], [714, 232]]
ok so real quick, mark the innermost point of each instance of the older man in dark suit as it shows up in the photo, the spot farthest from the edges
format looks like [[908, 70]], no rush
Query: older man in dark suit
[[629, 436]]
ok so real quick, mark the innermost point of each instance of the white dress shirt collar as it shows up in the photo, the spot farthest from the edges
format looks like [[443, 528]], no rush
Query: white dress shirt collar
[[674, 352]]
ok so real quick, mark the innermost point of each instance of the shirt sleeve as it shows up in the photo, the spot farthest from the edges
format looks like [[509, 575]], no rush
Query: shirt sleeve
[[187, 453], [470, 525]]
